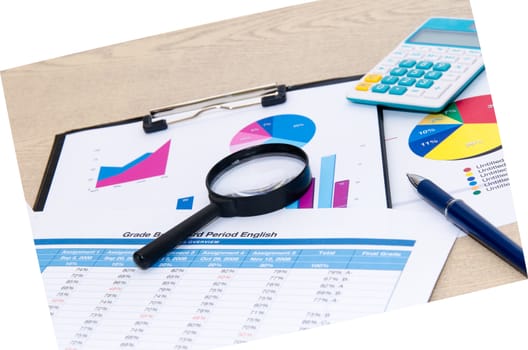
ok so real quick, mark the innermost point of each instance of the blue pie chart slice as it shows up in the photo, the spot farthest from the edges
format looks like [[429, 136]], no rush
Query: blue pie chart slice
[[424, 138]]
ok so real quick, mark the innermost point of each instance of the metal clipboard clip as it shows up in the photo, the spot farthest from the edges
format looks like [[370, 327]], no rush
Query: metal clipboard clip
[[160, 118]]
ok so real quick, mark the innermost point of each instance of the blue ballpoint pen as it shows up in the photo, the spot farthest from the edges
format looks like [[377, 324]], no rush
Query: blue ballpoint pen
[[469, 221]]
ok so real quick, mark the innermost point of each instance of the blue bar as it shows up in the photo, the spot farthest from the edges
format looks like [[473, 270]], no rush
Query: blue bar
[[45, 256], [374, 259], [379, 260], [178, 258], [293, 205], [77, 257], [378, 267], [274, 253], [220, 258], [349, 259], [276, 259], [116, 258], [234, 241], [48, 251], [321, 265], [326, 182], [185, 203], [217, 262], [174, 261], [382, 254], [76, 241], [115, 262], [267, 264], [329, 253], [324, 258], [314, 257]]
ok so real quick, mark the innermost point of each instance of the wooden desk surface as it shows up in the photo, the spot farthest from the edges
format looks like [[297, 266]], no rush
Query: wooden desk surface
[[319, 40]]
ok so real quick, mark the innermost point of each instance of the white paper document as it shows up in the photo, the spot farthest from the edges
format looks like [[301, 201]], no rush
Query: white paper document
[[122, 167], [238, 280], [459, 149]]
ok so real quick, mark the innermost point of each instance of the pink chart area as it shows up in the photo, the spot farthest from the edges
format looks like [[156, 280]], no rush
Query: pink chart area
[[153, 165], [246, 137]]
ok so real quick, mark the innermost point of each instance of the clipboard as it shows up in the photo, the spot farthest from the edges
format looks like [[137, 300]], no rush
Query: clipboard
[[164, 118]]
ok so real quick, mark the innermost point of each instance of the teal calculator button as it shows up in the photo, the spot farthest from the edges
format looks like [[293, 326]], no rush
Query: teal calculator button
[[398, 72], [389, 79], [416, 73], [424, 83], [397, 90], [442, 66], [407, 63], [424, 65], [406, 81], [380, 88], [433, 75]]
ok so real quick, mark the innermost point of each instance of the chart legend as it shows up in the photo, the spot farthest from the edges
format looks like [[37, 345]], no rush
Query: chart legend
[[472, 181], [148, 165], [465, 129]]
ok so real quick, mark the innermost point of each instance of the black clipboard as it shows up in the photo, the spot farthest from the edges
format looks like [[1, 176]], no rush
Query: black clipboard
[[156, 120]]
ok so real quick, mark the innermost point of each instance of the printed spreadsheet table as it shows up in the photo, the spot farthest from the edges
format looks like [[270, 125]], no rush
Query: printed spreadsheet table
[[224, 292]]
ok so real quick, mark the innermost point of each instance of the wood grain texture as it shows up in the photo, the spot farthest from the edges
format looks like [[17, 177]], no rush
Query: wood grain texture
[[471, 267], [319, 40]]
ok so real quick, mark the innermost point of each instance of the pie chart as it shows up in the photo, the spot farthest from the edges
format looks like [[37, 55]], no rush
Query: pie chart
[[467, 128], [292, 129]]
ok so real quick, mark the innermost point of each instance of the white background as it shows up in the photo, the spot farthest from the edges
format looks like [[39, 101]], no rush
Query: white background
[[31, 31]]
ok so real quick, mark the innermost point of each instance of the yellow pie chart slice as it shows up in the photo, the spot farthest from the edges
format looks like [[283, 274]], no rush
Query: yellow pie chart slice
[[467, 141]]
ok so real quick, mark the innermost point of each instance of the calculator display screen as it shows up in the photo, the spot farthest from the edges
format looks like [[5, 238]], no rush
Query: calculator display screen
[[448, 38]]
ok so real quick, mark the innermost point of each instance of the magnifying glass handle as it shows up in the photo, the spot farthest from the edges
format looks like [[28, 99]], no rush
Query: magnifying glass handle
[[153, 251]]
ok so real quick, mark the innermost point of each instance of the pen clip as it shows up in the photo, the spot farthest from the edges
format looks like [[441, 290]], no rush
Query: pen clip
[[267, 95]]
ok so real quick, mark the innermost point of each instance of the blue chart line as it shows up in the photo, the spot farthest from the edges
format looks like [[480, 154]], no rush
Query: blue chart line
[[326, 182], [108, 171]]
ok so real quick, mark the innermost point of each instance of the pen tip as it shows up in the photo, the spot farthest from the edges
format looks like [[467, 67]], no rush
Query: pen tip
[[414, 179]]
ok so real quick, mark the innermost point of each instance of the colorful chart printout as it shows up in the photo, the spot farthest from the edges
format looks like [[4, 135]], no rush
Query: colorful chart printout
[[465, 129]]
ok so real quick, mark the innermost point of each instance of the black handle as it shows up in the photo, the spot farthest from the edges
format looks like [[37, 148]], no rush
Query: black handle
[[152, 252]]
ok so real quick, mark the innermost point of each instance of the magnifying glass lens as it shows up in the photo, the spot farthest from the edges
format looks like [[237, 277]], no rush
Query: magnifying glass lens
[[258, 175]]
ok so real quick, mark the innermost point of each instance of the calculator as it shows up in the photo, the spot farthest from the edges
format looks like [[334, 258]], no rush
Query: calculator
[[427, 70]]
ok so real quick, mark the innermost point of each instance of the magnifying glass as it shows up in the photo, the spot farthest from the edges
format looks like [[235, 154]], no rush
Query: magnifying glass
[[253, 181]]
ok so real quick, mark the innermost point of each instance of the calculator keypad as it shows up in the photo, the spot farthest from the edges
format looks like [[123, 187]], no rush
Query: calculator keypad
[[419, 71]]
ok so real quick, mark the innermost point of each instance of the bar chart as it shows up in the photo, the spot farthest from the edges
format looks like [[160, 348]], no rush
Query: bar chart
[[295, 129], [329, 192]]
